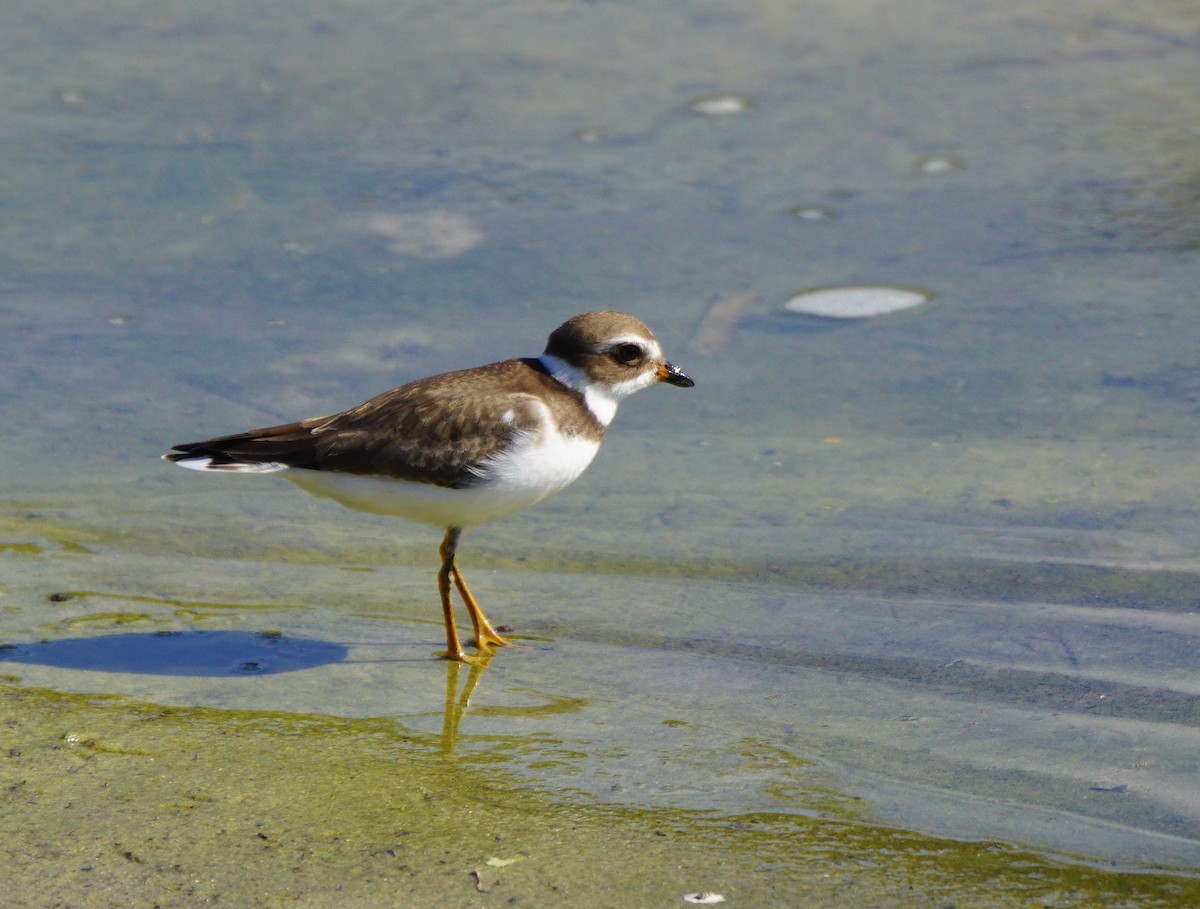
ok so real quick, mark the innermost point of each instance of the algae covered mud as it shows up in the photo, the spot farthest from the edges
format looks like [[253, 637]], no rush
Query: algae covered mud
[[112, 802], [248, 749]]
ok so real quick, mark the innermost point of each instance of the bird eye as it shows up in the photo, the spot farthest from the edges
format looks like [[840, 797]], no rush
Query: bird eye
[[629, 354]]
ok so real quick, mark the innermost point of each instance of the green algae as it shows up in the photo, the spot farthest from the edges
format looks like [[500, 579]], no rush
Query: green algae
[[113, 619], [113, 802], [57, 531], [195, 609], [688, 611], [23, 548]]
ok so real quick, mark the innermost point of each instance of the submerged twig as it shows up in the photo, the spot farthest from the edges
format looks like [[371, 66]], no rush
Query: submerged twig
[[721, 322]]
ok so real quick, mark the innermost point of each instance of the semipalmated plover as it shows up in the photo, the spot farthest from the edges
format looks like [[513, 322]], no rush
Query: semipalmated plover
[[462, 448]]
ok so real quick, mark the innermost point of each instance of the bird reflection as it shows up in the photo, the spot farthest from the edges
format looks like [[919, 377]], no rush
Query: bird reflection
[[458, 701], [460, 692]]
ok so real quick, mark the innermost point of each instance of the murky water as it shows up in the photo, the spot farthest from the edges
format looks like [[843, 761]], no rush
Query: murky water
[[874, 592]]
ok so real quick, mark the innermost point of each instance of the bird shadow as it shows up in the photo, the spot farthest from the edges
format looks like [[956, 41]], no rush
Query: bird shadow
[[181, 653]]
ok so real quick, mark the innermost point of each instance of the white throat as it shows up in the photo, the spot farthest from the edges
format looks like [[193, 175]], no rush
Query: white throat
[[601, 399]]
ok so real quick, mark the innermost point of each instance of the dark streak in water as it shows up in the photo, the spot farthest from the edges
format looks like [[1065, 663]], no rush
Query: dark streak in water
[[192, 653]]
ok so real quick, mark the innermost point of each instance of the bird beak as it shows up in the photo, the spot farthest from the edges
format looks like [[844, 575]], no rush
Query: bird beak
[[674, 376]]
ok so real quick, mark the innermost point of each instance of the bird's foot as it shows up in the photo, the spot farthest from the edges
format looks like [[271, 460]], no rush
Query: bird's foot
[[487, 638], [461, 656]]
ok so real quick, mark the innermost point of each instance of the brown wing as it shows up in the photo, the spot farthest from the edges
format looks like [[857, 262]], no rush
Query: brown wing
[[433, 430]]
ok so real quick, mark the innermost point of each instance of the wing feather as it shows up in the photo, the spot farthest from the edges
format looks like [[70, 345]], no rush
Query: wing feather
[[436, 430]]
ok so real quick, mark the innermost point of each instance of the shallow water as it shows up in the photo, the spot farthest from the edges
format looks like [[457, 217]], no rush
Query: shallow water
[[930, 575]]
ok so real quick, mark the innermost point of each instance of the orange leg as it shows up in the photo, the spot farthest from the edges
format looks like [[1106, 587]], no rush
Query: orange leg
[[454, 649], [485, 635]]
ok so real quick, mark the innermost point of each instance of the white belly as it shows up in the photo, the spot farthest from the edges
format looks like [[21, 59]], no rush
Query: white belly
[[510, 482]]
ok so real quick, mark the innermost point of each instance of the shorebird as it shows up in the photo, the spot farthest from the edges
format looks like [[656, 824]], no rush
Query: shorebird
[[462, 448]]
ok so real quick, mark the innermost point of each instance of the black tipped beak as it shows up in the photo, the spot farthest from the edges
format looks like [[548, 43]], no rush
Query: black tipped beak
[[674, 376]]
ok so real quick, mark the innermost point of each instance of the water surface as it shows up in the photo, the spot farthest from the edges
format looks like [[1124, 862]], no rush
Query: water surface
[[923, 584]]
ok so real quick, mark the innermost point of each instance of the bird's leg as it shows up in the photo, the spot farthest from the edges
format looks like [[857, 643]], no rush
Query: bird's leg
[[485, 634], [454, 649]]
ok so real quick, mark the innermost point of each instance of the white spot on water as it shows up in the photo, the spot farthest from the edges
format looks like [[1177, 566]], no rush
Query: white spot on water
[[810, 212], [720, 105], [425, 235], [72, 96], [939, 164], [855, 302]]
